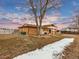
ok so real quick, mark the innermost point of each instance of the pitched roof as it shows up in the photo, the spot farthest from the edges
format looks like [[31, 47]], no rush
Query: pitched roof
[[34, 26]]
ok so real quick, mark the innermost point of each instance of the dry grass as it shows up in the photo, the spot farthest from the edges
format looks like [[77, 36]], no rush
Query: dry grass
[[8, 36], [12, 45], [72, 52]]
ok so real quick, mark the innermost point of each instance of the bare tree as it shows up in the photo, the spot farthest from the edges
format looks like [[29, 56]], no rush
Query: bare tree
[[39, 8]]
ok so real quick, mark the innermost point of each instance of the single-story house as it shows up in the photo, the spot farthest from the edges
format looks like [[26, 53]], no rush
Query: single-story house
[[29, 29]]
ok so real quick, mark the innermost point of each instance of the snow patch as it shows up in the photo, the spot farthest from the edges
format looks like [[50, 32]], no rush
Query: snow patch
[[51, 51]]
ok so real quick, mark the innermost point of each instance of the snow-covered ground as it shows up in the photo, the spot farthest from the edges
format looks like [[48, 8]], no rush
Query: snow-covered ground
[[51, 51]]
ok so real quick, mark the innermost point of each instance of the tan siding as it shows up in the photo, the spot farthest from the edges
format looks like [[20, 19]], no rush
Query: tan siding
[[47, 30], [32, 31], [23, 30]]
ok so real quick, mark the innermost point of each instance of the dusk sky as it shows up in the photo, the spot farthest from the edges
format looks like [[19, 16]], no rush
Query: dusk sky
[[10, 10]]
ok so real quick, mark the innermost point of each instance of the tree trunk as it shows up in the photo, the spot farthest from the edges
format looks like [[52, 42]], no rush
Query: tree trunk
[[36, 21]]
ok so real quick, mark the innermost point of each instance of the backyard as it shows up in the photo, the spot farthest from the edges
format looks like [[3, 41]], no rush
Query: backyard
[[72, 52], [13, 45]]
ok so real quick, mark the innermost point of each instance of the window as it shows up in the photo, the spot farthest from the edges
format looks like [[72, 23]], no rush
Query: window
[[49, 30], [45, 33], [23, 33]]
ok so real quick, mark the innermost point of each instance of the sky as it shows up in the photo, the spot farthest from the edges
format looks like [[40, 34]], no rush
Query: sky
[[15, 12]]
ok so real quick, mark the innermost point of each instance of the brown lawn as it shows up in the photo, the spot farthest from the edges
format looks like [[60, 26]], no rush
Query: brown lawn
[[14, 45], [72, 52]]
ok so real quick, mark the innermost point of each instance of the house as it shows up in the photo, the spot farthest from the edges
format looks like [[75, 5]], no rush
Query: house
[[29, 29], [71, 30]]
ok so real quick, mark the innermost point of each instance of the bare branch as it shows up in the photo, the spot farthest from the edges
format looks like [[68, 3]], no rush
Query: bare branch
[[41, 7]]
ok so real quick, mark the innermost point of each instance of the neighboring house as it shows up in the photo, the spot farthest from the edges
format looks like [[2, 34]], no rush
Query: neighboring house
[[73, 30], [29, 29], [6, 31]]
